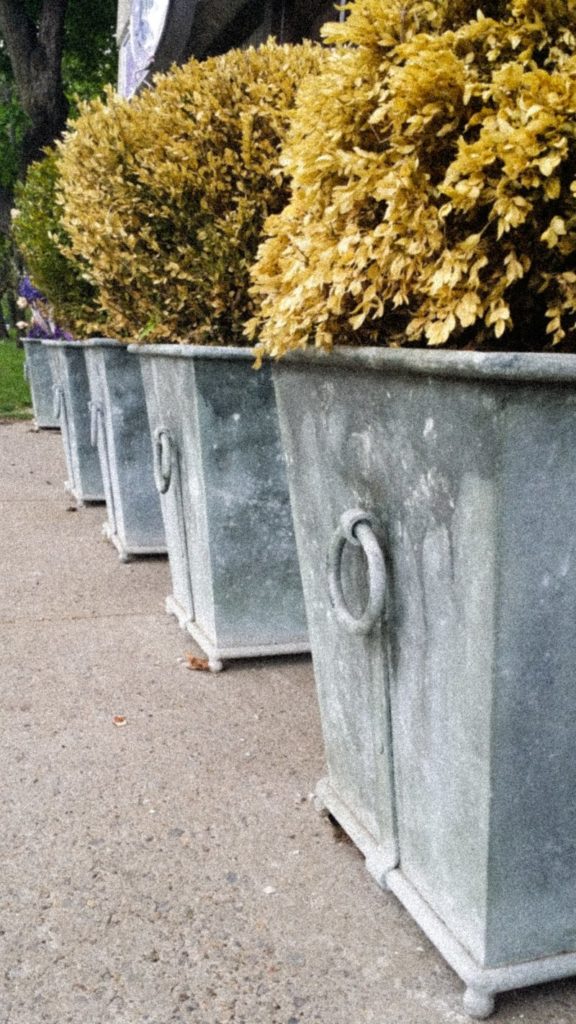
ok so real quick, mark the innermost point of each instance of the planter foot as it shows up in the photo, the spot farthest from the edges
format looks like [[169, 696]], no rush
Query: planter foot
[[319, 806], [113, 538], [378, 865], [381, 857], [131, 553], [478, 1004], [173, 607], [218, 653], [70, 490]]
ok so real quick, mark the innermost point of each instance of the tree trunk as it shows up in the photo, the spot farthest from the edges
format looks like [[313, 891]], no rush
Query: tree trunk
[[34, 49], [35, 54], [6, 203]]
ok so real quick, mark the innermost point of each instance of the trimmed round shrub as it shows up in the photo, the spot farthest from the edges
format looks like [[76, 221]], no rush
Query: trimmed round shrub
[[433, 171], [41, 239], [165, 195]]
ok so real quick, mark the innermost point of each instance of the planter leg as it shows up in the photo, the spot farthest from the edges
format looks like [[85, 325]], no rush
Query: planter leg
[[215, 665], [70, 490], [319, 806], [378, 867], [478, 1003]]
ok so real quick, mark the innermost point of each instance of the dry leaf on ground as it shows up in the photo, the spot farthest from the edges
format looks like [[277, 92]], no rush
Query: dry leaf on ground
[[196, 664]]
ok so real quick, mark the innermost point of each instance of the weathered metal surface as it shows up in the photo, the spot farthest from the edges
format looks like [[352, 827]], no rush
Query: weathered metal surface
[[449, 726], [121, 433], [71, 408], [220, 468], [39, 376]]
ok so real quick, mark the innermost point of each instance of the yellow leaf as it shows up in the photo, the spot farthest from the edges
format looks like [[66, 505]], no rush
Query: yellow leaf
[[549, 164], [439, 331], [468, 309]]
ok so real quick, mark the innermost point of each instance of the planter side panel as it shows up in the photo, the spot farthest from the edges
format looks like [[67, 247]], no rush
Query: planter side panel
[[365, 440], [39, 375], [58, 371], [257, 589], [77, 400], [351, 672], [95, 370], [128, 433], [171, 402], [532, 878], [71, 377]]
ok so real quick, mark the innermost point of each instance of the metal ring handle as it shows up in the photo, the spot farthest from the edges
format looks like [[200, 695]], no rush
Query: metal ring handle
[[164, 449], [356, 527], [58, 400]]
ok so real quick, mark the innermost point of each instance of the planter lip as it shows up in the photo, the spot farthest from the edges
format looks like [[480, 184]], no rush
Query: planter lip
[[544, 367], [103, 343], [51, 342], [176, 351], [33, 341], [62, 343], [77, 343]]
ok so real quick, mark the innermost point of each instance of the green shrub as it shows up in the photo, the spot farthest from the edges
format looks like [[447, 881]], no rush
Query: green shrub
[[433, 168], [41, 238], [165, 195]]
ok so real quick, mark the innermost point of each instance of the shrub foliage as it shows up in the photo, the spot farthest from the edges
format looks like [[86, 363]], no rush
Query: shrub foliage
[[41, 238], [165, 195], [433, 168]]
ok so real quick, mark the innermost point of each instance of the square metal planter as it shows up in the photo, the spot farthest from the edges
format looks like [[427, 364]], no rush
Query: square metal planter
[[221, 474], [121, 433], [434, 505], [39, 376], [71, 407]]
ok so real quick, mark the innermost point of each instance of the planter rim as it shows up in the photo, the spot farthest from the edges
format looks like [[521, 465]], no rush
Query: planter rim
[[103, 343], [76, 343], [49, 341], [62, 343], [33, 341], [546, 367], [175, 351]]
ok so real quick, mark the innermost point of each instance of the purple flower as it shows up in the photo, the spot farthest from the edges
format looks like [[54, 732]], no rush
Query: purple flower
[[35, 331], [41, 324], [27, 290]]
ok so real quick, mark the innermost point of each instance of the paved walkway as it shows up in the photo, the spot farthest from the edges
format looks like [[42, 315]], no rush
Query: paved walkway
[[172, 870]]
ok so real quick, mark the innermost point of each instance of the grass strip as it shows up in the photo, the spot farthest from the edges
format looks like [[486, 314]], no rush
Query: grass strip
[[15, 400]]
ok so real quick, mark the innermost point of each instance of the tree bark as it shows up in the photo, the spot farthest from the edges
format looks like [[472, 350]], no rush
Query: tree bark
[[35, 54]]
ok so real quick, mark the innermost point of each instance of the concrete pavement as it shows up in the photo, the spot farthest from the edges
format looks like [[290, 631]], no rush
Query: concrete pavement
[[172, 870]]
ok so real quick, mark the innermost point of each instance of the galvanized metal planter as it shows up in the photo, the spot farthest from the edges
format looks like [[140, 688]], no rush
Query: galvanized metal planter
[[71, 407], [220, 471], [120, 431], [39, 376], [434, 506]]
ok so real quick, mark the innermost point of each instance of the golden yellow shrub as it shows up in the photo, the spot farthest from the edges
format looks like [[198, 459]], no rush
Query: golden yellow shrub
[[165, 195], [433, 167]]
